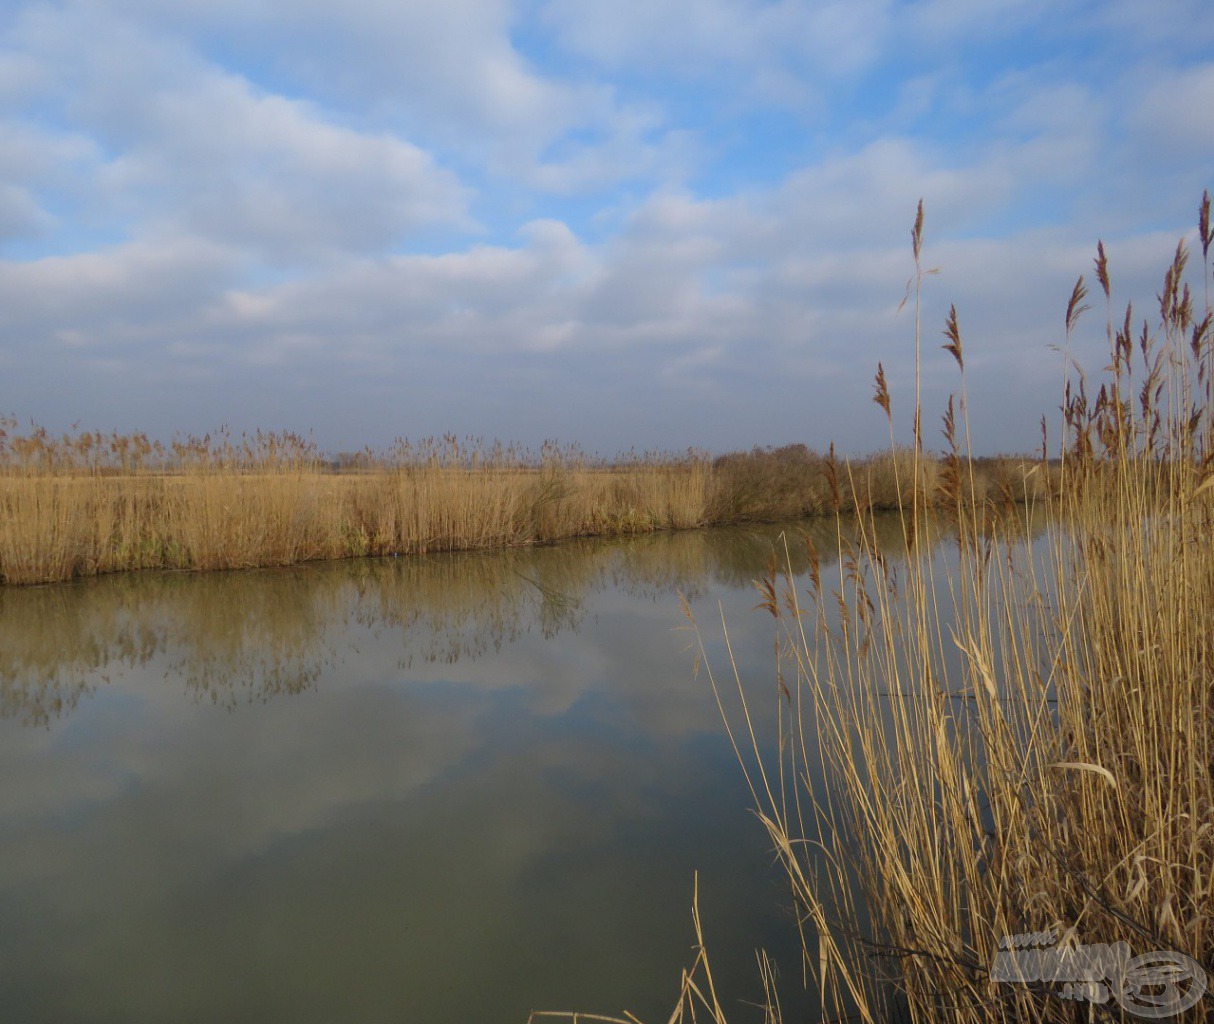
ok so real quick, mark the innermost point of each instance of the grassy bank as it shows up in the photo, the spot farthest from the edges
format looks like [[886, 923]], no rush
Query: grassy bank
[[84, 503], [1025, 748]]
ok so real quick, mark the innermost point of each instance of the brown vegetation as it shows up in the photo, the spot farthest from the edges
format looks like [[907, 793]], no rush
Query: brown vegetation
[[1027, 747], [84, 503]]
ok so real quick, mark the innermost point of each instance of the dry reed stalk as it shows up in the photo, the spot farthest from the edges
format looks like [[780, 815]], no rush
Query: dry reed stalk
[[1025, 745], [69, 507], [83, 504]]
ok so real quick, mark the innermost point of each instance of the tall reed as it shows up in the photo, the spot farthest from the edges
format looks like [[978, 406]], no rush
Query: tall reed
[[1020, 753], [83, 503]]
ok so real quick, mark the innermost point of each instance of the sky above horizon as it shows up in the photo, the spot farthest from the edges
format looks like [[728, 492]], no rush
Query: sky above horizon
[[620, 224]]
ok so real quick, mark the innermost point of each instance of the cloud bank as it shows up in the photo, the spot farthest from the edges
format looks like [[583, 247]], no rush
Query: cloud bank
[[622, 224]]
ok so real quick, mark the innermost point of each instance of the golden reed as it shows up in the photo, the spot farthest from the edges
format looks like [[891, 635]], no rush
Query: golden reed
[[1023, 747], [86, 503]]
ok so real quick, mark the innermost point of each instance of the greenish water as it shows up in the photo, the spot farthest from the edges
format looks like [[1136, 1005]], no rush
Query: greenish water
[[448, 789]]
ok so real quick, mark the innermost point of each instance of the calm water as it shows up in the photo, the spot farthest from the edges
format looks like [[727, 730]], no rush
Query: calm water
[[448, 789]]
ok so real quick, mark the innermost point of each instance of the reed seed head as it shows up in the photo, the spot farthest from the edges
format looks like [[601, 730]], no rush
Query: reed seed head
[[953, 332], [1102, 269], [1203, 225], [1076, 307], [881, 391]]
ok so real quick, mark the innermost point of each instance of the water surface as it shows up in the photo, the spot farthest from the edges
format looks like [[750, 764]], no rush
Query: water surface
[[456, 788]]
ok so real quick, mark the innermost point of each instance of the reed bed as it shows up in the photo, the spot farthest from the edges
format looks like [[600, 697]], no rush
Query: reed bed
[[272, 501], [1018, 759], [85, 503]]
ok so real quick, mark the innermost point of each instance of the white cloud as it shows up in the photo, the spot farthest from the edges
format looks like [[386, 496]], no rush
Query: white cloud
[[192, 148], [696, 40], [1174, 110], [20, 213], [1182, 27], [771, 308], [446, 75], [265, 213], [272, 174], [21, 76], [138, 290], [35, 162], [940, 23]]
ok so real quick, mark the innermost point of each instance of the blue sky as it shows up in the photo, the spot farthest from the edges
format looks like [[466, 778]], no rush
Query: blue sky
[[623, 224]]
